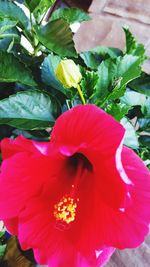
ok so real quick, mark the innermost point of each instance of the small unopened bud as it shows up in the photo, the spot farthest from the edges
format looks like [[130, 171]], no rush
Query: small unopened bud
[[68, 73]]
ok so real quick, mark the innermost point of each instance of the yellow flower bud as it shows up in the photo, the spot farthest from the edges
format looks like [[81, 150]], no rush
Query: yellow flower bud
[[68, 73]]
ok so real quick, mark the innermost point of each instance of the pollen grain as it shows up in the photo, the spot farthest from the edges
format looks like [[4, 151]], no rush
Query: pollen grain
[[65, 210]]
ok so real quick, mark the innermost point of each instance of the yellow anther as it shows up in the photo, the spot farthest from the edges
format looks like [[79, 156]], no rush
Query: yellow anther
[[65, 210]]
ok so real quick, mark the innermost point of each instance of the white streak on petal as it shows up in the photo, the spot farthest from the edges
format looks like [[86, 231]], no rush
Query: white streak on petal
[[98, 253], [119, 166]]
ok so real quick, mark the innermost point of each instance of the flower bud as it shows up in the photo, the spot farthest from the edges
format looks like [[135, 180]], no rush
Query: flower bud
[[68, 73]]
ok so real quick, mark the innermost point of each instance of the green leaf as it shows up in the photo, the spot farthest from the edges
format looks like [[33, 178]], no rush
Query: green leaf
[[32, 4], [132, 47], [48, 68], [128, 68], [1, 233], [94, 57], [12, 70], [118, 111], [57, 37], [41, 8], [131, 139], [144, 124], [13, 12], [146, 108], [141, 84], [145, 140], [114, 75], [6, 25], [9, 34], [28, 110], [71, 15], [106, 74], [132, 98], [88, 83], [2, 250]]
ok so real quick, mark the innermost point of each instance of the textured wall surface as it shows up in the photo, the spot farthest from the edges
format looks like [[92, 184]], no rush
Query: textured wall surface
[[108, 17]]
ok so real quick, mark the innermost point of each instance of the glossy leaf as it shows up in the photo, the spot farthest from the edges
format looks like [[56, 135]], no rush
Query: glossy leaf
[[6, 25], [28, 110], [132, 98], [128, 68], [118, 111], [132, 46], [94, 57], [13, 12], [32, 4], [141, 84], [144, 124], [88, 83], [146, 108], [145, 140], [41, 8], [13, 70], [9, 34], [57, 37], [106, 75], [48, 68], [71, 15]]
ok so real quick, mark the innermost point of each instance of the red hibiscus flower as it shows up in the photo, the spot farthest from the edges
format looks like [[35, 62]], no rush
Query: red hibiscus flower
[[75, 198]]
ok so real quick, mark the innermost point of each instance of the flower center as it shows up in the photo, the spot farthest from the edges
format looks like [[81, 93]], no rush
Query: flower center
[[65, 210]]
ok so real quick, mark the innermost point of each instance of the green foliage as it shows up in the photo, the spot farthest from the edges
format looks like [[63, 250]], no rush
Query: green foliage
[[93, 58], [13, 12], [13, 70], [141, 84], [57, 37], [28, 110], [49, 66], [2, 250], [71, 15], [9, 34], [117, 110], [89, 83], [106, 76], [132, 47], [31, 97], [132, 99], [39, 7]]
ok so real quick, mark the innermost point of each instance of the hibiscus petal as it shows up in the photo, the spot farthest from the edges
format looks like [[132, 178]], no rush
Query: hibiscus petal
[[127, 228], [52, 246], [10, 147], [12, 225], [93, 133], [22, 177], [122, 228], [87, 126]]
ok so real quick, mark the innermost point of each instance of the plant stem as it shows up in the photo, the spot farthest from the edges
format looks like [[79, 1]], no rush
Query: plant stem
[[81, 94]]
